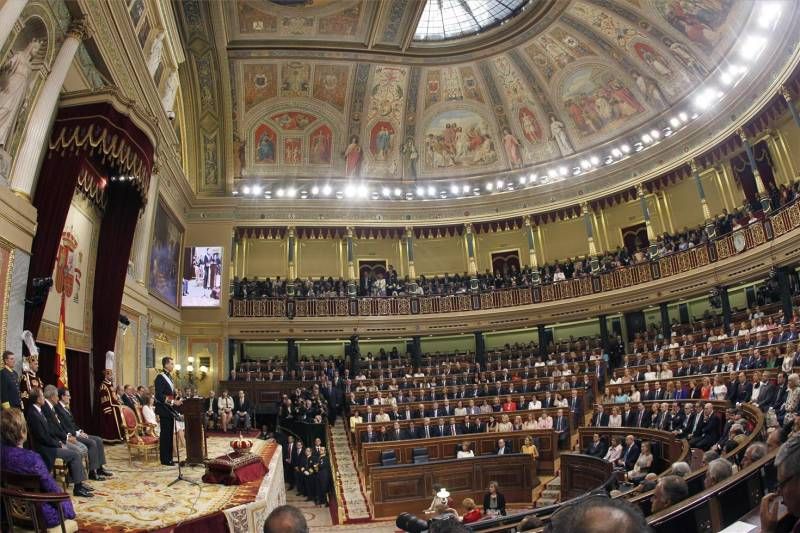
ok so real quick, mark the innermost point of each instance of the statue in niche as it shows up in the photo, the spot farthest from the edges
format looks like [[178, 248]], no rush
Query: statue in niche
[[16, 83], [558, 135], [170, 89], [410, 155], [155, 54]]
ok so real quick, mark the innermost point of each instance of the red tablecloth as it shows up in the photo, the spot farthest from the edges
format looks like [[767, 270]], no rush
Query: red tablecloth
[[234, 469]]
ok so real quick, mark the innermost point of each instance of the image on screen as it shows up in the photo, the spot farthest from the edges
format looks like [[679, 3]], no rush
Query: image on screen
[[202, 276]]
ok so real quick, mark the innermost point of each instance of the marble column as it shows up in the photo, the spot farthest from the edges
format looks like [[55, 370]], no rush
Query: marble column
[[16, 304], [409, 244], [34, 143], [531, 239], [640, 193], [472, 263], [700, 191], [141, 240], [9, 14], [351, 263], [291, 253], [784, 92], [763, 196], [587, 222]]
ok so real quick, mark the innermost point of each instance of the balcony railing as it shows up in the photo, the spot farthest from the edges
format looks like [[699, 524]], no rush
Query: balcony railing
[[752, 236]]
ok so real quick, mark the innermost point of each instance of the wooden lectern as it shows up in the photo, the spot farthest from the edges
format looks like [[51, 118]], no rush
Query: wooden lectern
[[196, 449]]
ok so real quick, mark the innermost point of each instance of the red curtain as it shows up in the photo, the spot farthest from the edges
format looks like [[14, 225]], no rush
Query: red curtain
[[52, 199], [113, 252]]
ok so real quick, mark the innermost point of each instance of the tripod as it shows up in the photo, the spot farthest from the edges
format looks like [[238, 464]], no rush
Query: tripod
[[178, 450]]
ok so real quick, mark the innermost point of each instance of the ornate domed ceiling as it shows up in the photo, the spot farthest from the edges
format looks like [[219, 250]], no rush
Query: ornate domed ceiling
[[341, 90]]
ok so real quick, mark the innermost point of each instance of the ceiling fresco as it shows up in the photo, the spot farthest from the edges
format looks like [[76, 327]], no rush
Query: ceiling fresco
[[598, 69]]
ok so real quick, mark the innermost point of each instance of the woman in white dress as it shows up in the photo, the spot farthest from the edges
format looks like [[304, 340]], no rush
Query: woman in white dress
[[149, 415], [615, 420], [720, 390]]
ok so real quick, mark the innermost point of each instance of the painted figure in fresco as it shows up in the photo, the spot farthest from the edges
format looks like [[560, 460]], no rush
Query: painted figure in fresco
[[321, 147], [649, 88], [383, 142], [266, 149], [530, 126], [410, 157], [352, 158], [511, 145], [559, 136], [16, 81]]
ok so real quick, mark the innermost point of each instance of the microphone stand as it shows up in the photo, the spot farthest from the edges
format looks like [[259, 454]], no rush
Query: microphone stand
[[178, 450]]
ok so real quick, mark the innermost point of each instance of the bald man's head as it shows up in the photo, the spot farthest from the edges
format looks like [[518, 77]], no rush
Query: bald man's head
[[600, 515], [285, 519]]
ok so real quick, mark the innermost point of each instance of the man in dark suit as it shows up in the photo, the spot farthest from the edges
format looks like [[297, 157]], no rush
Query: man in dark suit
[[427, 431], [241, 411], [166, 399], [93, 443], [454, 429], [641, 417], [781, 391], [708, 430], [744, 389], [412, 432], [9, 382], [370, 435], [396, 433], [629, 455], [50, 448], [503, 447], [599, 418], [575, 408], [764, 391], [597, 448], [129, 398], [441, 429], [211, 410], [468, 427]]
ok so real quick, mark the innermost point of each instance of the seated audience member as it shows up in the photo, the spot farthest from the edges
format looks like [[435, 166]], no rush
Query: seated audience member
[[93, 443], [211, 410], [787, 463], [18, 460], [670, 490], [472, 514], [754, 453], [503, 447], [355, 418], [529, 448], [464, 452], [241, 411], [708, 430], [681, 469], [494, 503], [614, 451], [51, 448], [600, 515], [643, 464], [225, 407], [597, 448], [718, 470], [630, 455], [129, 397], [286, 519], [149, 414]]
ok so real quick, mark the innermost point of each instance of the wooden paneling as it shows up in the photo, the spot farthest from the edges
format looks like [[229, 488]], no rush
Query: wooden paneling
[[582, 473], [409, 488]]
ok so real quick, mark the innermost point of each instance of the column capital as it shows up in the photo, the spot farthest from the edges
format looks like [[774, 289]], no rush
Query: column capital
[[350, 231], [585, 208], [79, 29], [784, 91], [290, 231], [409, 230], [695, 166], [468, 227], [742, 134], [640, 192], [527, 221]]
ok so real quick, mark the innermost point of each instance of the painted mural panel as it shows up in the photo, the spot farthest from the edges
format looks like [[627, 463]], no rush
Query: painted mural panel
[[259, 83], [700, 20], [265, 142], [458, 138], [330, 84], [292, 151], [295, 79], [293, 120], [165, 256], [320, 146], [74, 260], [342, 23], [596, 99], [253, 20], [381, 140]]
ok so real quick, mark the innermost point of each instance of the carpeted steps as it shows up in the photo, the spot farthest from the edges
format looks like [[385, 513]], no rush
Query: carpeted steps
[[551, 493]]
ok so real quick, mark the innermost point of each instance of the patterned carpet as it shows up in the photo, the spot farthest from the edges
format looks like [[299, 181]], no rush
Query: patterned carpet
[[350, 489], [137, 497]]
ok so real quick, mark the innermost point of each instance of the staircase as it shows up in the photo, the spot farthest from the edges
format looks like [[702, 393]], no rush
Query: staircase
[[551, 493], [350, 490]]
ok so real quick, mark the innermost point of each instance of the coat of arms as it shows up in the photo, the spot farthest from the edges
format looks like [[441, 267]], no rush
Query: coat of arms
[[68, 273]]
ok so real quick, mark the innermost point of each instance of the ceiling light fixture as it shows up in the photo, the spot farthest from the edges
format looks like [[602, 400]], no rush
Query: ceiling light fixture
[[246, 189], [326, 190], [315, 190], [291, 192]]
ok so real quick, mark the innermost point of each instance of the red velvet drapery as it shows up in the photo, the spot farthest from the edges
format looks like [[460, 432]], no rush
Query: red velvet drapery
[[113, 252]]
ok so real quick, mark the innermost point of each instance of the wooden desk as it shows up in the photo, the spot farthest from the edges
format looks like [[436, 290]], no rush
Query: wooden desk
[[582, 473], [409, 488], [441, 448]]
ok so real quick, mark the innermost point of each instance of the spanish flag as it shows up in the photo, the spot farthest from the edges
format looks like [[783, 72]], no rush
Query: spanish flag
[[61, 349]]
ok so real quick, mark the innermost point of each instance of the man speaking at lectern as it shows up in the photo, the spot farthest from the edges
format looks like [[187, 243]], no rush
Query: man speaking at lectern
[[166, 401]]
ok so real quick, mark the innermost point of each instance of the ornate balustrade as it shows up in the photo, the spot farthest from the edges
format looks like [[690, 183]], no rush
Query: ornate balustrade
[[756, 234]]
